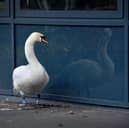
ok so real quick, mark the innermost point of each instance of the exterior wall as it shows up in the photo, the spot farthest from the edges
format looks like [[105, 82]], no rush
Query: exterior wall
[[82, 69]]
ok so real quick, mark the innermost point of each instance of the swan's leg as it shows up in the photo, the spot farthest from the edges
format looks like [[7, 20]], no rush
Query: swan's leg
[[24, 102], [38, 99], [15, 91]]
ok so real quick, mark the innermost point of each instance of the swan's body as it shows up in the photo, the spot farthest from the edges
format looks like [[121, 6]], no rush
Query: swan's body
[[31, 78]]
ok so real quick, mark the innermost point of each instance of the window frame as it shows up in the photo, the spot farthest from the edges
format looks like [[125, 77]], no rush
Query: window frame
[[69, 14], [5, 12]]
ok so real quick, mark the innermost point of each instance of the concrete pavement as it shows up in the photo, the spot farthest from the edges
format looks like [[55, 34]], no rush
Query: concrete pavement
[[58, 114]]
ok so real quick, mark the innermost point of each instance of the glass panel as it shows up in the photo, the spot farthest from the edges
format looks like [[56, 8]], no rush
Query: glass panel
[[6, 60], [2, 4], [69, 4], [79, 64]]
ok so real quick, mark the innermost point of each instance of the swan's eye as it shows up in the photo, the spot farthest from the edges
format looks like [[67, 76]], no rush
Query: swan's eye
[[42, 37]]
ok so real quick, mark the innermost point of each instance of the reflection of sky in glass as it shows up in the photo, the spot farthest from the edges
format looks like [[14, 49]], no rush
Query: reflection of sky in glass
[[69, 4]]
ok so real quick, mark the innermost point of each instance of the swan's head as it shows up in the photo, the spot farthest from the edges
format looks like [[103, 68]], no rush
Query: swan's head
[[37, 37]]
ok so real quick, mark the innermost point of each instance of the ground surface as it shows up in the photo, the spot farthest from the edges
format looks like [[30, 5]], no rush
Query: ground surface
[[56, 114]]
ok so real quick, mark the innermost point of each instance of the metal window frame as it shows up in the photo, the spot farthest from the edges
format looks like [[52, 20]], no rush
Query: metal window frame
[[69, 14]]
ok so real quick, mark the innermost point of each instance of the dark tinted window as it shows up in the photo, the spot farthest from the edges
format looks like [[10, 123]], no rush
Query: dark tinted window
[[69, 4], [2, 4]]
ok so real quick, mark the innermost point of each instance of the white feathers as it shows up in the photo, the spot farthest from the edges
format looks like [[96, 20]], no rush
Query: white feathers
[[32, 78]]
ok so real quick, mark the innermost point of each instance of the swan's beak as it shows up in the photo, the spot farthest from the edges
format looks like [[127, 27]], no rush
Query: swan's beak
[[44, 41]]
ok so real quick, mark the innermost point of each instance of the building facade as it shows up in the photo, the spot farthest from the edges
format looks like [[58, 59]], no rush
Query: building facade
[[87, 54]]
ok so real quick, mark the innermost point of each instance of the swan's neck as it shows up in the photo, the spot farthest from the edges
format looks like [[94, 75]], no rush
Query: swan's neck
[[105, 61], [30, 54]]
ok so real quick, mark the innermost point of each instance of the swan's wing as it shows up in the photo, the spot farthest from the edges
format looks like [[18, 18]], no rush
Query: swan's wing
[[28, 80], [20, 71], [20, 74]]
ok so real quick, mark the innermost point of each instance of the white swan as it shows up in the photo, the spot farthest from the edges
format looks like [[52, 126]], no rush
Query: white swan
[[31, 78]]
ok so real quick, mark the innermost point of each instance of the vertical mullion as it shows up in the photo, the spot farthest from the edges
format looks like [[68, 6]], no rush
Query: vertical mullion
[[12, 34]]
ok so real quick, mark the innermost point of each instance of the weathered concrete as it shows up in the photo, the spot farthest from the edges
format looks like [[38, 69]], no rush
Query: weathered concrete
[[57, 114]]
